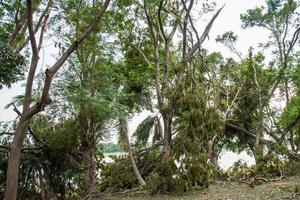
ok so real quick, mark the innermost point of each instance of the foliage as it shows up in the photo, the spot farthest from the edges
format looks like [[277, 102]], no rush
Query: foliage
[[42, 169], [112, 180], [292, 168], [143, 130], [238, 171], [163, 179], [12, 66], [271, 166], [10, 12], [273, 15], [65, 171], [3, 166], [197, 123]]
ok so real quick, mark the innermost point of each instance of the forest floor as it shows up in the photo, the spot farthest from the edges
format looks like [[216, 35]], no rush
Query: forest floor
[[285, 189]]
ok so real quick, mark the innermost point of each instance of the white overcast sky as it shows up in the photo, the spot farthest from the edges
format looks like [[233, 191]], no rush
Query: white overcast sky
[[228, 20]]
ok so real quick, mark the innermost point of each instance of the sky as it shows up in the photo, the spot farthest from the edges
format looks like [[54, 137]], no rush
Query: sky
[[228, 20]]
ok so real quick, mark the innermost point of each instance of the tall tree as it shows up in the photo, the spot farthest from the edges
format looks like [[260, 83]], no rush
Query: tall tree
[[31, 110], [163, 20], [169, 65], [278, 18]]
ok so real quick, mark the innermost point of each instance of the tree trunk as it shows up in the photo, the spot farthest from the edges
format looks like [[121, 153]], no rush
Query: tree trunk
[[90, 169], [214, 161], [212, 155], [167, 153], [14, 161], [87, 140], [124, 130]]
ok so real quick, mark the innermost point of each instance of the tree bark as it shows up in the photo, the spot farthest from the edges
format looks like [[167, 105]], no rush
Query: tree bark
[[90, 170], [212, 154], [167, 151], [13, 163]]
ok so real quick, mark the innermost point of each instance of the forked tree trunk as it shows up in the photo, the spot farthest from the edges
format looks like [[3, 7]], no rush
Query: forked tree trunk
[[158, 34]]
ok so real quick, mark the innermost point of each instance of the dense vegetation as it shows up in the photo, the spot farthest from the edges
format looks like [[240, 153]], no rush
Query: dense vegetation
[[116, 58]]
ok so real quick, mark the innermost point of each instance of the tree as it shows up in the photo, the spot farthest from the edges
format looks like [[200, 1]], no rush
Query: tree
[[252, 85], [168, 64], [278, 18], [158, 51], [31, 110]]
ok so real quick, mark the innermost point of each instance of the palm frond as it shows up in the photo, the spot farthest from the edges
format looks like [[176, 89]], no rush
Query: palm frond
[[143, 130], [19, 100]]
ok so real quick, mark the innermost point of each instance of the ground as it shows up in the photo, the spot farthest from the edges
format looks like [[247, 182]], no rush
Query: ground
[[285, 189]]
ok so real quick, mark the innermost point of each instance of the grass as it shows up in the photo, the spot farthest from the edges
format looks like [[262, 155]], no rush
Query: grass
[[285, 189]]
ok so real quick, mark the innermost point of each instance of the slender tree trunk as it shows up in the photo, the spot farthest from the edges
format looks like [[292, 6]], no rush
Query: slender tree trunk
[[212, 155], [214, 161], [15, 151], [124, 131], [258, 151], [13, 164]]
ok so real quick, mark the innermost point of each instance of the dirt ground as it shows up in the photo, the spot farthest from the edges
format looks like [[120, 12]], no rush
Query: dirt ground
[[285, 189]]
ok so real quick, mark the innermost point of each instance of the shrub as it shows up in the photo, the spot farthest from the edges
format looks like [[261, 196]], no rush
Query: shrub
[[119, 175], [292, 168]]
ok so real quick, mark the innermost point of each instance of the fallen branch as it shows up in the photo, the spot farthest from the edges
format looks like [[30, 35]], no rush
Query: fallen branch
[[136, 190]]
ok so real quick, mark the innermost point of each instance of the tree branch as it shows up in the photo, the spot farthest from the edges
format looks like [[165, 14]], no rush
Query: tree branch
[[204, 35], [37, 27], [45, 99]]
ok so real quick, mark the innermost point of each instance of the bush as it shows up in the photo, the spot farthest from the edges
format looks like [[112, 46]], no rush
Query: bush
[[270, 166], [113, 178], [168, 178], [292, 168], [238, 171], [161, 180]]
